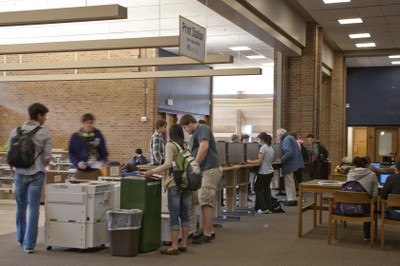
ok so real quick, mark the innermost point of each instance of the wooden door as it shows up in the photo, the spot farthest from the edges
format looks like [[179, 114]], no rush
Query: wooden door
[[359, 141]]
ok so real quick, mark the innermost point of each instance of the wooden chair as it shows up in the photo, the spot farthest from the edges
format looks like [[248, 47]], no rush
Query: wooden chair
[[392, 201], [353, 198]]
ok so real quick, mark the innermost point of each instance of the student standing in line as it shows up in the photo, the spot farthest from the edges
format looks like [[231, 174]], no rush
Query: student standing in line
[[157, 143], [87, 149], [204, 149], [178, 199], [265, 174], [29, 182]]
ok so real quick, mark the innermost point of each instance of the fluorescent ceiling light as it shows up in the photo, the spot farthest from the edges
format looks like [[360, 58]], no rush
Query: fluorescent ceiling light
[[396, 63], [367, 44], [359, 35], [335, 1], [350, 21], [240, 48], [394, 56], [255, 56]]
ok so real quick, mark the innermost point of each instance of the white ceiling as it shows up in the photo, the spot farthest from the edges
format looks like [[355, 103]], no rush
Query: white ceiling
[[381, 18]]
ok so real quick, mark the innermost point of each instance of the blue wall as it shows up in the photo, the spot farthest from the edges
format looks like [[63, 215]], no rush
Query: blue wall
[[373, 96], [189, 95]]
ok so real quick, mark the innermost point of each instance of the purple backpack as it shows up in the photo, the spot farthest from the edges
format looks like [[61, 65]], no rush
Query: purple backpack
[[353, 209]]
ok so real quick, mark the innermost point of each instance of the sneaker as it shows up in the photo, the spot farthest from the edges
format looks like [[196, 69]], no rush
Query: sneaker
[[29, 250], [202, 239], [197, 236], [367, 238], [264, 212], [290, 203], [19, 243]]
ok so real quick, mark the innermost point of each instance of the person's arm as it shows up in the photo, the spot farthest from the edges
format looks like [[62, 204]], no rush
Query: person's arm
[[202, 152], [260, 159], [169, 157], [47, 149]]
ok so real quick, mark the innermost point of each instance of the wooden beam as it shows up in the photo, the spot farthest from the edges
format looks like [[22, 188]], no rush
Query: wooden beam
[[134, 75], [142, 62], [63, 15], [92, 45]]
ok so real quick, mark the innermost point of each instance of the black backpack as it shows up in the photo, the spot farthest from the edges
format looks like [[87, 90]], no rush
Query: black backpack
[[305, 154], [22, 149], [323, 153]]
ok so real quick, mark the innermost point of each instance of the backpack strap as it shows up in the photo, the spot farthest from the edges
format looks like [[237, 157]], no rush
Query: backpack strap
[[33, 132], [177, 146]]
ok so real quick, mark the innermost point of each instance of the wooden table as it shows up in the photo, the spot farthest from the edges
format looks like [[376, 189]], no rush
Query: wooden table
[[318, 187]]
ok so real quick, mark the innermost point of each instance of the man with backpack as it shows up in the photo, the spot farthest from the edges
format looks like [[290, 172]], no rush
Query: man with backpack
[[204, 148], [29, 179]]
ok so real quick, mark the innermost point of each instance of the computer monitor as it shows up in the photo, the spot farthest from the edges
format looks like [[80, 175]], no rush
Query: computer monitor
[[382, 178], [236, 153], [388, 160], [376, 164], [252, 150], [222, 150]]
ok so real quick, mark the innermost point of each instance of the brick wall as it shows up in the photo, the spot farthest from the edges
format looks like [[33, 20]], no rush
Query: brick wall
[[313, 102], [117, 104]]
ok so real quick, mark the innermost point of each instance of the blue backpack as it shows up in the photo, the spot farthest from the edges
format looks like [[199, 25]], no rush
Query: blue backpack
[[353, 209]]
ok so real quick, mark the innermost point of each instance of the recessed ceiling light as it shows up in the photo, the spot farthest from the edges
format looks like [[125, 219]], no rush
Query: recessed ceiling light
[[395, 62], [350, 21], [335, 1], [366, 44], [240, 48], [394, 56], [359, 35], [255, 56]]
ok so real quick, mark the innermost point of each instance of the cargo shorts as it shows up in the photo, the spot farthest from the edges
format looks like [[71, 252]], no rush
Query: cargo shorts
[[209, 185]]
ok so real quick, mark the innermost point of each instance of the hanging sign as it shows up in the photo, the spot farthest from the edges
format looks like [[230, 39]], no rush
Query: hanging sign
[[192, 39]]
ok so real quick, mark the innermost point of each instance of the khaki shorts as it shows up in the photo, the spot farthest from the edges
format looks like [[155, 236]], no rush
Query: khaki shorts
[[209, 185]]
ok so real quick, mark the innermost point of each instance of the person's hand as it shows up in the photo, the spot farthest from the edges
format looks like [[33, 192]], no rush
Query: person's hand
[[248, 161], [82, 165], [148, 173], [277, 161]]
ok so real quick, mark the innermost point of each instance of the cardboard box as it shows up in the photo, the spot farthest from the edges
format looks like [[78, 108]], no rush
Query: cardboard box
[[53, 177], [111, 170]]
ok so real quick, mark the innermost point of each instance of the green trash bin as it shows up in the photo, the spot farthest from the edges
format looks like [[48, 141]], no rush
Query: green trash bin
[[124, 227], [142, 193]]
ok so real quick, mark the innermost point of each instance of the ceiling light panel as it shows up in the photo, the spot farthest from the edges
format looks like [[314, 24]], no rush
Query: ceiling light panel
[[350, 21], [335, 1], [395, 62], [359, 35], [240, 48], [364, 45], [394, 56], [255, 57]]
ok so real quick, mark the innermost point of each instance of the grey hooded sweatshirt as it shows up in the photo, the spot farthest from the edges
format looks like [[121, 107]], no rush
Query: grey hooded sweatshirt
[[366, 178]]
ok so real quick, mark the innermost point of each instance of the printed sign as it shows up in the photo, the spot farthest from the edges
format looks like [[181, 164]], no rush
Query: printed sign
[[192, 39]]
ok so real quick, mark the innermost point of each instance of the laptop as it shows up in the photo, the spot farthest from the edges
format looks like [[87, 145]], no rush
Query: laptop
[[376, 164], [382, 178]]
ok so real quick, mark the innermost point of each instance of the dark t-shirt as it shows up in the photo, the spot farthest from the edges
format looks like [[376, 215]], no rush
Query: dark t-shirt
[[392, 186], [203, 132]]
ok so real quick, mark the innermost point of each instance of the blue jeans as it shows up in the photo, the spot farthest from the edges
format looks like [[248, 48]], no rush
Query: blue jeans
[[28, 190], [178, 206]]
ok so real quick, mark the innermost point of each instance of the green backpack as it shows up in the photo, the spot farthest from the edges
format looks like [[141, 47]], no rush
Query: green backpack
[[186, 170]]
